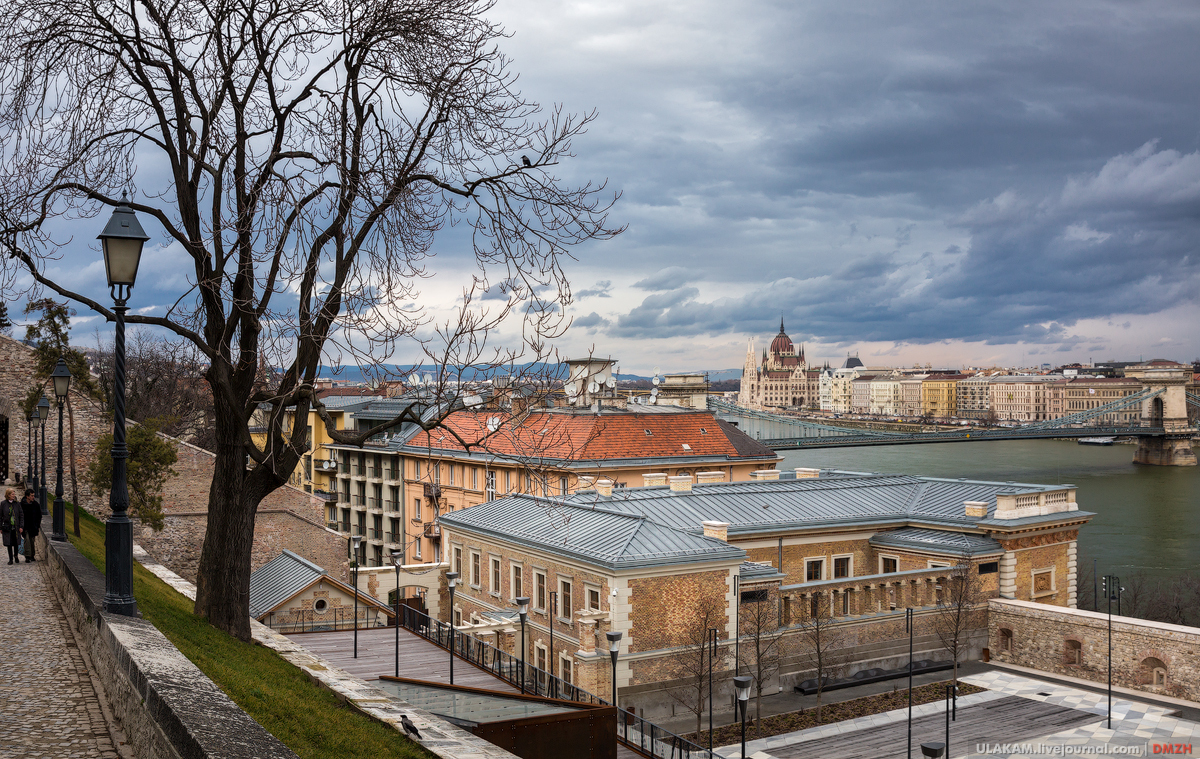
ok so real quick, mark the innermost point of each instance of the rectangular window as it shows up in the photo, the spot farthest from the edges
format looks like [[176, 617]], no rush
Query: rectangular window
[[416, 509], [989, 567], [564, 669], [564, 598], [474, 478], [562, 485], [539, 588], [458, 561], [518, 585], [475, 569], [541, 658], [814, 570], [436, 470], [491, 486], [496, 576], [450, 468], [845, 603], [417, 465], [841, 567], [888, 564], [507, 482], [593, 599], [528, 484]]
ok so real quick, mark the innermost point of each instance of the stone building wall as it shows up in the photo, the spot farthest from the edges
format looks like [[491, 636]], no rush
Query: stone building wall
[[795, 554], [287, 518], [1075, 642]]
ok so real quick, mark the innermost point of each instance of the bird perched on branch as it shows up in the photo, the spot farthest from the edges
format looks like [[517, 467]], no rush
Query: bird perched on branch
[[525, 160], [409, 727]]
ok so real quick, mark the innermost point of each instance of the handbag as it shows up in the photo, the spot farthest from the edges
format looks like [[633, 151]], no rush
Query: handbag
[[21, 547]]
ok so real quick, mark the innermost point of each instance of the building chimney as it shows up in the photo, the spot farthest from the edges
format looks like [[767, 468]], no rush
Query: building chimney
[[656, 479], [718, 530], [975, 509], [702, 477], [681, 483], [604, 488], [807, 474], [764, 474], [586, 482]]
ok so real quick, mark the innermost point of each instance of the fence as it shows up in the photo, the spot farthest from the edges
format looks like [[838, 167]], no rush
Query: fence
[[632, 731], [334, 618]]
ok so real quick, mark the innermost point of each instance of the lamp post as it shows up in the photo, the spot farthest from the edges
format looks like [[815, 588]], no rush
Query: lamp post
[[122, 240], [908, 625], [62, 384], [43, 415], [452, 583], [712, 655], [29, 446], [397, 560], [614, 648], [355, 542], [742, 686], [1110, 586], [523, 612]]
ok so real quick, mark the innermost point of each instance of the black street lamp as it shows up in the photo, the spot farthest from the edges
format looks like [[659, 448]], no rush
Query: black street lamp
[[551, 686], [397, 561], [62, 384], [122, 240], [1112, 589], [43, 415], [452, 583], [742, 686], [355, 542], [712, 655], [908, 626], [29, 446], [523, 612], [951, 708], [614, 648]]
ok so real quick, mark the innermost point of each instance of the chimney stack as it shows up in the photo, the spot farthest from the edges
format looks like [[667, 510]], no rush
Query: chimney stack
[[604, 488], [718, 530], [764, 474], [807, 474], [656, 479], [975, 509], [702, 477], [681, 483]]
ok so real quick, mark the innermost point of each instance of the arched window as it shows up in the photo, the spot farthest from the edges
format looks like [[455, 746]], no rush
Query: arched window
[[1006, 640], [1154, 670], [1073, 652]]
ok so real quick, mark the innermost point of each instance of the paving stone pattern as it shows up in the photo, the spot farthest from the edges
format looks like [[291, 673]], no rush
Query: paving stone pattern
[[47, 703]]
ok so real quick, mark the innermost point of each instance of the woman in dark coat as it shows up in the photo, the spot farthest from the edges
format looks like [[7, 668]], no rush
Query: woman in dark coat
[[12, 521], [33, 522]]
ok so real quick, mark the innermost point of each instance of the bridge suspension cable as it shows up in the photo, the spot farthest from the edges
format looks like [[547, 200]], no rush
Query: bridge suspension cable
[[1094, 413], [1193, 400], [723, 406]]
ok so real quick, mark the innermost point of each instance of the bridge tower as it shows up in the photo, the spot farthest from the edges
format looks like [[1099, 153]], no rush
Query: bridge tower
[[1168, 411]]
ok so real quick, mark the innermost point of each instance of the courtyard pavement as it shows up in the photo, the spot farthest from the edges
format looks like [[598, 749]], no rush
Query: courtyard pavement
[[48, 704], [1139, 729]]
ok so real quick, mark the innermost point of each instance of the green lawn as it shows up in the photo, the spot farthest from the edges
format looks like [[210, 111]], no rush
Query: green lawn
[[307, 718]]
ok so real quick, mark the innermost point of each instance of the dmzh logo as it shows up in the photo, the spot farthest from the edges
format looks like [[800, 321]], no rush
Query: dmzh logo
[[1171, 748]]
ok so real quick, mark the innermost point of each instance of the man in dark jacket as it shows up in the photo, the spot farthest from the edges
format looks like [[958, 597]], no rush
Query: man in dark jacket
[[12, 523], [33, 522]]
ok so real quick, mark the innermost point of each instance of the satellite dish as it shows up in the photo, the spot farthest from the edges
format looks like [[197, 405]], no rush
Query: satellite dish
[[593, 387], [493, 423], [572, 388], [656, 372], [414, 379], [656, 380], [611, 382], [654, 393], [428, 379]]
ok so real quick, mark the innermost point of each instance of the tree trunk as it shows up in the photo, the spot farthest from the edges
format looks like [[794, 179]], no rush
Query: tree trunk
[[223, 577]]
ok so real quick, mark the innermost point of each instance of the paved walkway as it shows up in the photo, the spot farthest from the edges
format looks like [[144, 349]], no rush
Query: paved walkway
[[48, 705], [1016, 718]]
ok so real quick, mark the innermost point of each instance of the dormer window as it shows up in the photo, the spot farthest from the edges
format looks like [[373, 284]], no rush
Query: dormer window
[[703, 431], [686, 447], [648, 433]]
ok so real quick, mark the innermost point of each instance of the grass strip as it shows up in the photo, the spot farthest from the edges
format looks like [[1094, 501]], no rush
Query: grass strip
[[307, 718], [790, 722]]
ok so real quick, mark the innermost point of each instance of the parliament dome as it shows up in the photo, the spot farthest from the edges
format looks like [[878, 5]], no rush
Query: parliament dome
[[782, 344]]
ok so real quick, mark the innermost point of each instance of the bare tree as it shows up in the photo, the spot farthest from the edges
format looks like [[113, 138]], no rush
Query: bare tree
[[763, 645], [958, 608], [310, 152], [821, 639], [689, 666]]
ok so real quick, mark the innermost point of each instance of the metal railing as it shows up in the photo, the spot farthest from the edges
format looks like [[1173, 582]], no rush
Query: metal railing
[[375, 534], [632, 731], [391, 505], [393, 537], [333, 618], [374, 503]]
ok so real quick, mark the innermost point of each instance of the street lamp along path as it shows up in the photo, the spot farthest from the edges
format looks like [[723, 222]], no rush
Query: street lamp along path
[[122, 241], [62, 385]]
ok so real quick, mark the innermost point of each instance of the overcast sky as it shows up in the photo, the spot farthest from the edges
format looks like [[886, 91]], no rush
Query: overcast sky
[[959, 183]]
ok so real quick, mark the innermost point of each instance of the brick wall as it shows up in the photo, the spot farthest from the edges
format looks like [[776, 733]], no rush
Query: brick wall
[[1040, 635], [794, 557]]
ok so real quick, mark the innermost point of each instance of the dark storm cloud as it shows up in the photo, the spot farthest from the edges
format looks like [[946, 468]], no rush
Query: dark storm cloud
[[599, 290], [669, 278]]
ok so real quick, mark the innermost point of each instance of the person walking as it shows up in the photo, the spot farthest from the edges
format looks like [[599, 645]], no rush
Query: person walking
[[33, 523], [12, 523]]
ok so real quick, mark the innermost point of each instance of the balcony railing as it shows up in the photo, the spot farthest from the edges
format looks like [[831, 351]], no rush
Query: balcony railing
[[325, 465], [357, 470], [393, 537], [358, 500], [375, 534], [332, 525], [345, 527], [326, 495], [390, 473], [374, 471], [632, 731], [433, 530], [374, 503], [358, 530], [391, 505]]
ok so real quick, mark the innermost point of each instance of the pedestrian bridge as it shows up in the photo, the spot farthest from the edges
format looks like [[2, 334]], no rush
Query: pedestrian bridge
[[1164, 430]]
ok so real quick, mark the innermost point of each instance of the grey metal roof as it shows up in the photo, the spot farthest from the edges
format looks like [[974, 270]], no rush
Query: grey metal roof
[[943, 541], [597, 535], [753, 571], [278, 580]]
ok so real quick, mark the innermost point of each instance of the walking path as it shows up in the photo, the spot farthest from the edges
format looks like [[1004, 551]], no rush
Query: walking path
[[1016, 718], [47, 699]]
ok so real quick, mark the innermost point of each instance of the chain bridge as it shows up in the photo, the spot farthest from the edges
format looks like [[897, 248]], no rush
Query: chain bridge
[[1164, 432]]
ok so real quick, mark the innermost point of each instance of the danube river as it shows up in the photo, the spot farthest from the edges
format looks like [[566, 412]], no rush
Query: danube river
[[1147, 517]]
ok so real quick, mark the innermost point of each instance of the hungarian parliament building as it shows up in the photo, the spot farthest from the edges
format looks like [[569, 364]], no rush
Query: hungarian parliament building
[[781, 378]]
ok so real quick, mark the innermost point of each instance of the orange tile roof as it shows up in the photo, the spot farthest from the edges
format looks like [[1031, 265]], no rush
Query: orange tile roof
[[589, 437]]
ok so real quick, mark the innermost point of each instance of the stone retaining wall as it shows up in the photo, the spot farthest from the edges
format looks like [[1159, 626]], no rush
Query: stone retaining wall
[[164, 703], [1074, 642]]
